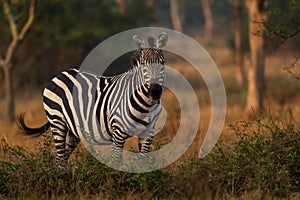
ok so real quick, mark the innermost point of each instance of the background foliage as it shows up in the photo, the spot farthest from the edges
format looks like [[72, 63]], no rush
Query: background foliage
[[65, 31]]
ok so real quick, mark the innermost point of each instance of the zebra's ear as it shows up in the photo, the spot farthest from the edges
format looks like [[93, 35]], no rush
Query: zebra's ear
[[162, 40], [138, 42]]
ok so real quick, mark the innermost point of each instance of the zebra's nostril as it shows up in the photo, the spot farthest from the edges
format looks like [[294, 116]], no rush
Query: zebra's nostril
[[155, 91]]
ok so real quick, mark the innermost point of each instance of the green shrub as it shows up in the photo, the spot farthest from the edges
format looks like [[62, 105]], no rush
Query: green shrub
[[265, 157], [28, 174]]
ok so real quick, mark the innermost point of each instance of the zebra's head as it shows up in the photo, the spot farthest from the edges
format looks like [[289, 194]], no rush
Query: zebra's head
[[150, 60]]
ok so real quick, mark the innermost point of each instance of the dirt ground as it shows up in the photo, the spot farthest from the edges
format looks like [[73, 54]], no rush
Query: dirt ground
[[282, 99]]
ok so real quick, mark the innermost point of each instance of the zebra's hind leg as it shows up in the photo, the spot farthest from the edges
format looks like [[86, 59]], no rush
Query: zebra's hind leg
[[60, 146], [144, 145], [71, 143]]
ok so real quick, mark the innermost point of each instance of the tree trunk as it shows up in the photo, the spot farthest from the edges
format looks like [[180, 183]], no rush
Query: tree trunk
[[150, 6], [10, 99], [239, 54], [208, 19], [122, 6], [9, 92], [150, 3], [181, 11], [256, 74], [175, 16], [17, 36]]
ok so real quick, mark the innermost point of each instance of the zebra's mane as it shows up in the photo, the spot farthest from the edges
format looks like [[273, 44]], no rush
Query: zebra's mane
[[135, 58], [151, 54]]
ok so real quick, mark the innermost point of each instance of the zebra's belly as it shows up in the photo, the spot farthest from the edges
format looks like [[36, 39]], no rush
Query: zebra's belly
[[87, 126], [142, 124], [93, 133]]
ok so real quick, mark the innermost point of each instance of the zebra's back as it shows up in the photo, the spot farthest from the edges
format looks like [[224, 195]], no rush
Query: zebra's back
[[73, 102]]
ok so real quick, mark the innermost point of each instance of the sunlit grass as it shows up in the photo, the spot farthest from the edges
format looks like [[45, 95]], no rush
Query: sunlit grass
[[29, 169]]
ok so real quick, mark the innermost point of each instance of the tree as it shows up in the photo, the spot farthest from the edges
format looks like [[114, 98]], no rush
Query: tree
[[122, 6], [16, 37], [238, 37], [208, 19], [175, 15], [256, 72], [150, 3], [283, 28]]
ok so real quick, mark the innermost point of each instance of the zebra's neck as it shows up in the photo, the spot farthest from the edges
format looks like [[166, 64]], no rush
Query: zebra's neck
[[137, 84]]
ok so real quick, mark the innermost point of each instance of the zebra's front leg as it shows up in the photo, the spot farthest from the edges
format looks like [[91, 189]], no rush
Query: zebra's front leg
[[117, 147], [144, 145]]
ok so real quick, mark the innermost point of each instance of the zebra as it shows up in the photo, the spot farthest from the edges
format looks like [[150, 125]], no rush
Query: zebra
[[110, 109]]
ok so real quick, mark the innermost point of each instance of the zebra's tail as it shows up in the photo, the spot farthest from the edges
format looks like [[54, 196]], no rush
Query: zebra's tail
[[32, 131]]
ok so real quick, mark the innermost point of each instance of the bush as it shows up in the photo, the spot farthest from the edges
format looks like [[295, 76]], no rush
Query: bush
[[265, 157], [28, 174]]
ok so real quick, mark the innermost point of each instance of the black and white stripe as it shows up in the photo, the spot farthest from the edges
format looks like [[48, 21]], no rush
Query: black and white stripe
[[105, 110]]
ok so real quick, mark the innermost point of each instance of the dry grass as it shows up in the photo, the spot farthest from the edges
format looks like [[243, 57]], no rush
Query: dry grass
[[33, 106], [282, 96], [282, 99]]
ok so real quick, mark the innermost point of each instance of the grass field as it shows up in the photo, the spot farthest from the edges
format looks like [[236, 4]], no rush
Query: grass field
[[184, 177]]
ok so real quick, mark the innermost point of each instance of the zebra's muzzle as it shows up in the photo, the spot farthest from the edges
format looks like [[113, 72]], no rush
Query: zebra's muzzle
[[155, 91]]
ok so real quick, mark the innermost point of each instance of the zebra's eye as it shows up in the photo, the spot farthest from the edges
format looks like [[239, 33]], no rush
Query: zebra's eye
[[147, 76]]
